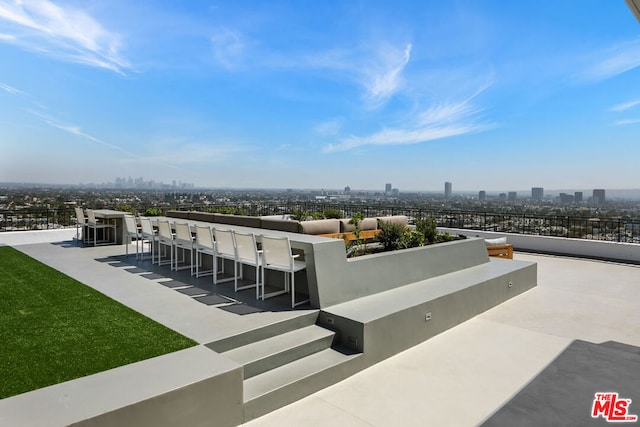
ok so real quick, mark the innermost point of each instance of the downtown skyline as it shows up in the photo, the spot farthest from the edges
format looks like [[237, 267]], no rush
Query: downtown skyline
[[488, 95]]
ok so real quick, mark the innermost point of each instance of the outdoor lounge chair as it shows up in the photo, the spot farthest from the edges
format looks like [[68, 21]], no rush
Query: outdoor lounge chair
[[95, 225], [225, 246], [183, 240], [165, 238], [131, 229], [204, 245], [276, 252], [247, 254], [81, 225], [148, 234]]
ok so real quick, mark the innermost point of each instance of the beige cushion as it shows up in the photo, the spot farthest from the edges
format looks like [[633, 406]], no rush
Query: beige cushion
[[320, 226], [497, 241], [369, 224], [345, 227], [395, 219], [365, 224]]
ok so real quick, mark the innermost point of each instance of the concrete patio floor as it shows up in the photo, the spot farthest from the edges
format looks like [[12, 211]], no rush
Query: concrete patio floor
[[464, 375], [458, 378]]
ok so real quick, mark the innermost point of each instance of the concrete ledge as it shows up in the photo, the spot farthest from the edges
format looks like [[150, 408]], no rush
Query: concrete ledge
[[387, 323], [279, 224], [597, 249], [240, 220], [189, 387]]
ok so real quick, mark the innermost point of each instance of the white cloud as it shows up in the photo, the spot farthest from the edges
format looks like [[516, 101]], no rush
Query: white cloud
[[228, 48], [384, 77], [330, 127], [626, 122], [375, 67], [613, 61], [12, 90], [64, 32], [625, 106], [75, 130], [440, 121]]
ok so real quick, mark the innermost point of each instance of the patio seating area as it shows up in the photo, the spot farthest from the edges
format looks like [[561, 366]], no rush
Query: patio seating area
[[575, 299]]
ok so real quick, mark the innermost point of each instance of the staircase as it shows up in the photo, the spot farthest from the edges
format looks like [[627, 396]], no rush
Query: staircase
[[285, 362]]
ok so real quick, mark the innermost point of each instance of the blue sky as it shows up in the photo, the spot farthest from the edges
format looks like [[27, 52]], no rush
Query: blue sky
[[491, 95]]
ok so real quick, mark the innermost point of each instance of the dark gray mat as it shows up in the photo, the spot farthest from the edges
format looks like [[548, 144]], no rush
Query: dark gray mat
[[563, 394], [192, 291], [136, 270], [213, 300], [173, 283], [241, 309], [153, 276]]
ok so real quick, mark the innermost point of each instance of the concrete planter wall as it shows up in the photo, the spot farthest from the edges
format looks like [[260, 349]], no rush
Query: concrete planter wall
[[599, 249], [340, 279]]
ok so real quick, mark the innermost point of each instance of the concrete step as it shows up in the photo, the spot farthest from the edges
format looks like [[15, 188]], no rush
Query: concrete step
[[264, 332], [270, 353], [278, 387]]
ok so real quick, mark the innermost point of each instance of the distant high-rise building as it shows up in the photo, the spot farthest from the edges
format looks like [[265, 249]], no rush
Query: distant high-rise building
[[395, 192], [513, 195], [347, 189], [447, 189], [502, 197], [577, 196], [537, 193], [567, 198], [387, 188], [598, 196], [482, 195]]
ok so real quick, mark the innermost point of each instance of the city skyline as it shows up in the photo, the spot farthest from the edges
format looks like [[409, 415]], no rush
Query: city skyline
[[285, 95], [140, 183]]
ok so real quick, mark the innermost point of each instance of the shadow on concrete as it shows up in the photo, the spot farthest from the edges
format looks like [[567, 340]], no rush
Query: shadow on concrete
[[241, 309], [214, 300], [564, 392], [201, 289]]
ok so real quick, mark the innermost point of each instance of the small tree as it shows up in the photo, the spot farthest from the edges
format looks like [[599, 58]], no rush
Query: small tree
[[355, 220], [357, 246], [427, 226]]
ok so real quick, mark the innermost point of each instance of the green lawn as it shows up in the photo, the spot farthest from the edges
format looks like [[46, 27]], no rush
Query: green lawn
[[54, 329]]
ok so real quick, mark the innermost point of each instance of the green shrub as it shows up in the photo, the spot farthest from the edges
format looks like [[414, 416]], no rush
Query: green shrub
[[445, 237], [125, 208], [415, 239], [153, 212], [392, 236], [332, 213], [298, 215], [229, 210], [427, 226], [317, 215]]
